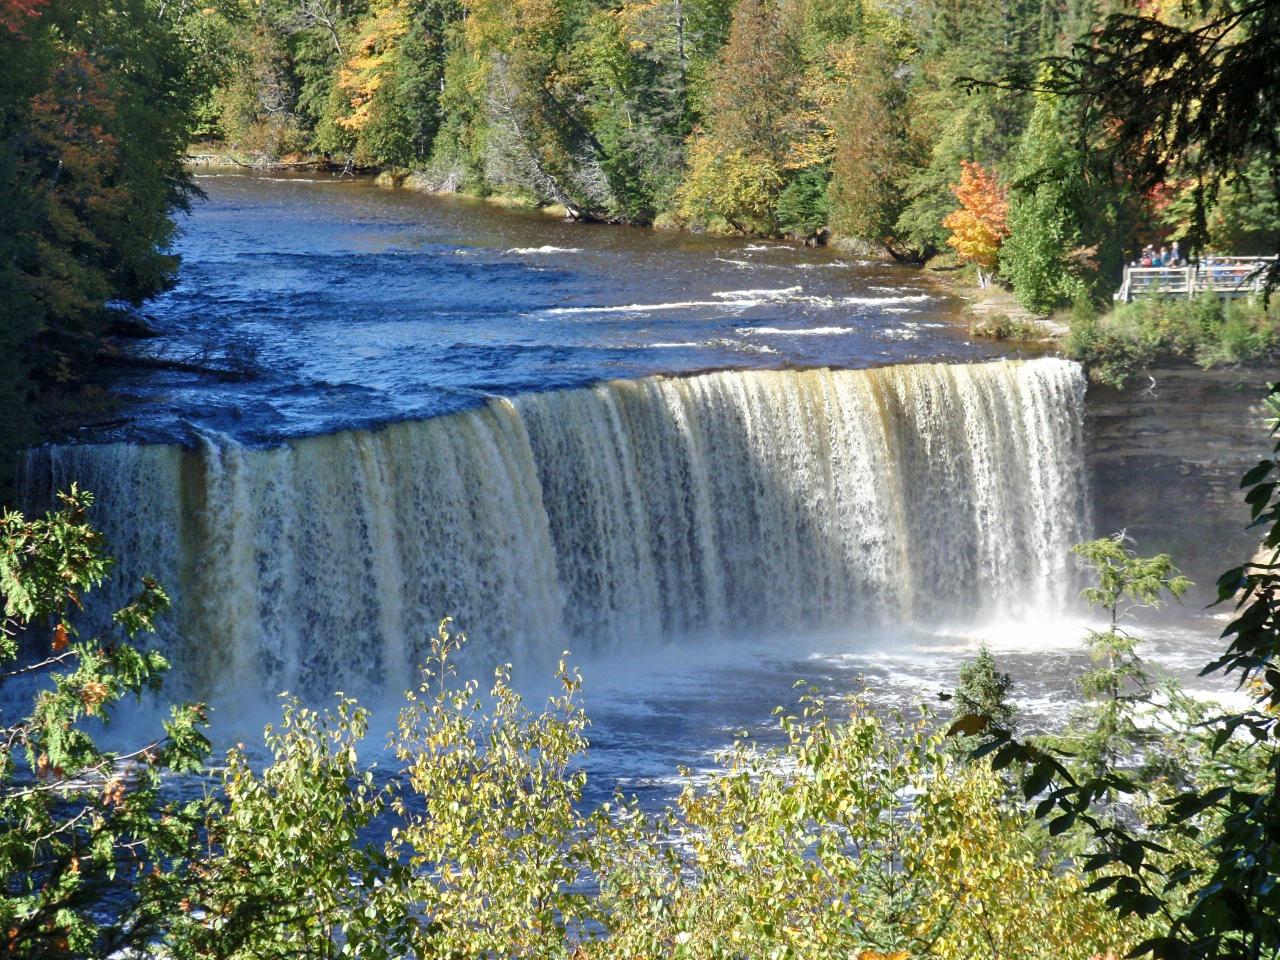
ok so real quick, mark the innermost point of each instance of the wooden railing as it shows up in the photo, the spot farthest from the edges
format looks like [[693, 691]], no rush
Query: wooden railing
[[1224, 276]]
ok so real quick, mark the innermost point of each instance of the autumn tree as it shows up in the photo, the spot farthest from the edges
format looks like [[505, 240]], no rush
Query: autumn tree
[[875, 149], [980, 224], [955, 120], [97, 111], [738, 160]]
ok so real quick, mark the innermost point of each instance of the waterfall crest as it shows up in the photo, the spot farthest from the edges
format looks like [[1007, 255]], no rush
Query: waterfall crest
[[622, 514]]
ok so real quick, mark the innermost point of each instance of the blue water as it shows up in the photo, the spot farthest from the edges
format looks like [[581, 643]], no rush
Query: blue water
[[339, 304]]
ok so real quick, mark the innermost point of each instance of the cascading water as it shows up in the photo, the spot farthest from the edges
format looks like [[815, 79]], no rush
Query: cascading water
[[622, 514]]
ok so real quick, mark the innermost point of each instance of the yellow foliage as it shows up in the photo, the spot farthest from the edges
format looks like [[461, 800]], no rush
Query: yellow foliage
[[728, 182], [362, 74], [994, 889]]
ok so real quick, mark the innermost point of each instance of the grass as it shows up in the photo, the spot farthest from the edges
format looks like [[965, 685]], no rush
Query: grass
[[1207, 330]]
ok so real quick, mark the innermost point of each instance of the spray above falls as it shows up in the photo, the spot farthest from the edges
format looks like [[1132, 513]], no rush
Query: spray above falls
[[626, 514]]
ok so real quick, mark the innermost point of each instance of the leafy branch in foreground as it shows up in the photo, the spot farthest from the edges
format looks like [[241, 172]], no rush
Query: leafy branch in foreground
[[857, 837], [1204, 859], [85, 838]]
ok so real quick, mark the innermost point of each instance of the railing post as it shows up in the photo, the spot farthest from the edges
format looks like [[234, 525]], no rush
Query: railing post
[[1190, 273]]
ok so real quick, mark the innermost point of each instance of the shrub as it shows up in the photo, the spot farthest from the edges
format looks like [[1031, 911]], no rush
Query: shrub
[[1207, 330], [859, 837]]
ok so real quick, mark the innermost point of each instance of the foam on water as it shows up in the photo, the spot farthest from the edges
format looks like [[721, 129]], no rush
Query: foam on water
[[625, 516], [544, 249], [778, 293], [798, 331], [885, 301]]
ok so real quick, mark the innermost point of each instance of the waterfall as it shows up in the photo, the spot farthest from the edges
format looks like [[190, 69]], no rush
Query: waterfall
[[628, 513]]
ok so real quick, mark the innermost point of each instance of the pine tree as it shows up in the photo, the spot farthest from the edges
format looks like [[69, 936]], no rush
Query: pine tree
[[983, 691]]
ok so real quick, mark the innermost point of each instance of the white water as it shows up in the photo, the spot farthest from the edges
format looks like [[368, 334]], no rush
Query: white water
[[623, 515]]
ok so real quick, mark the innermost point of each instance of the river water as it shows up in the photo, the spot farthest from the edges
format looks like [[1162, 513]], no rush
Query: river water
[[431, 406], [350, 305]]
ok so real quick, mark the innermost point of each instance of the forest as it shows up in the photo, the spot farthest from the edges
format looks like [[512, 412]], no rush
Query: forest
[[866, 120], [1018, 139]]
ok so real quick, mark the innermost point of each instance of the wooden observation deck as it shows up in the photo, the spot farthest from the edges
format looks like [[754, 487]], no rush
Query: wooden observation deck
[[1224, 276]]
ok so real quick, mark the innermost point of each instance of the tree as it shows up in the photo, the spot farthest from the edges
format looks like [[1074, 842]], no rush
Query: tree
[[97, 100], [87, 843], [983, 690], [755, 86], [1188, 94], [636, 62], [1066, 214], [1109, 728], [872, 152], [27, 53], [980, 225], [960, 122]]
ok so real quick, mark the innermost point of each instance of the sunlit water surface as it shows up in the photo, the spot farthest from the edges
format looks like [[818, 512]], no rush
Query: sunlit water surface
[[341, 305]]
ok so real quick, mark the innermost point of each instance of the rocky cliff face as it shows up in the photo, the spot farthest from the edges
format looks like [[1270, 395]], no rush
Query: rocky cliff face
[[1165, 457]]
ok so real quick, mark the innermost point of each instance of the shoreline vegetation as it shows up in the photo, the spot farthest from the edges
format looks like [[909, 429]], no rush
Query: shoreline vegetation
[[1115, 342]]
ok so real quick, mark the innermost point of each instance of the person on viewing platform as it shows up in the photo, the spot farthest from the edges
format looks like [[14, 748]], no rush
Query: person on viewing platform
[[1175, 256], [1147, 257]]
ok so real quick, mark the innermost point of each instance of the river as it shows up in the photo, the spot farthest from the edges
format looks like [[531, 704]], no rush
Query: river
[[349, 305], [710, 467]]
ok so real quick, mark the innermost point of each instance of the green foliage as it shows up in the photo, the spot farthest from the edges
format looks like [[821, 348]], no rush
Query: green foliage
[[803, 117], [738, 162], [87, 843], [287, 872], [984, 691], [97, 101], [1202, 860], [1207, 330], [965, 41], [495, 840], [1156, 80], [1245, 218], [1064, 215], [809, 850], [1119, 688], [803, 206], [731, 184]]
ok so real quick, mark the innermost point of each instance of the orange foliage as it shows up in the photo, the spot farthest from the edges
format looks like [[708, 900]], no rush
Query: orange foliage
[[980, 225]]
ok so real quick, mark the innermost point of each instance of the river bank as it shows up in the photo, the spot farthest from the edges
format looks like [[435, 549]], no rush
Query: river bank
[[1115, 344]]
